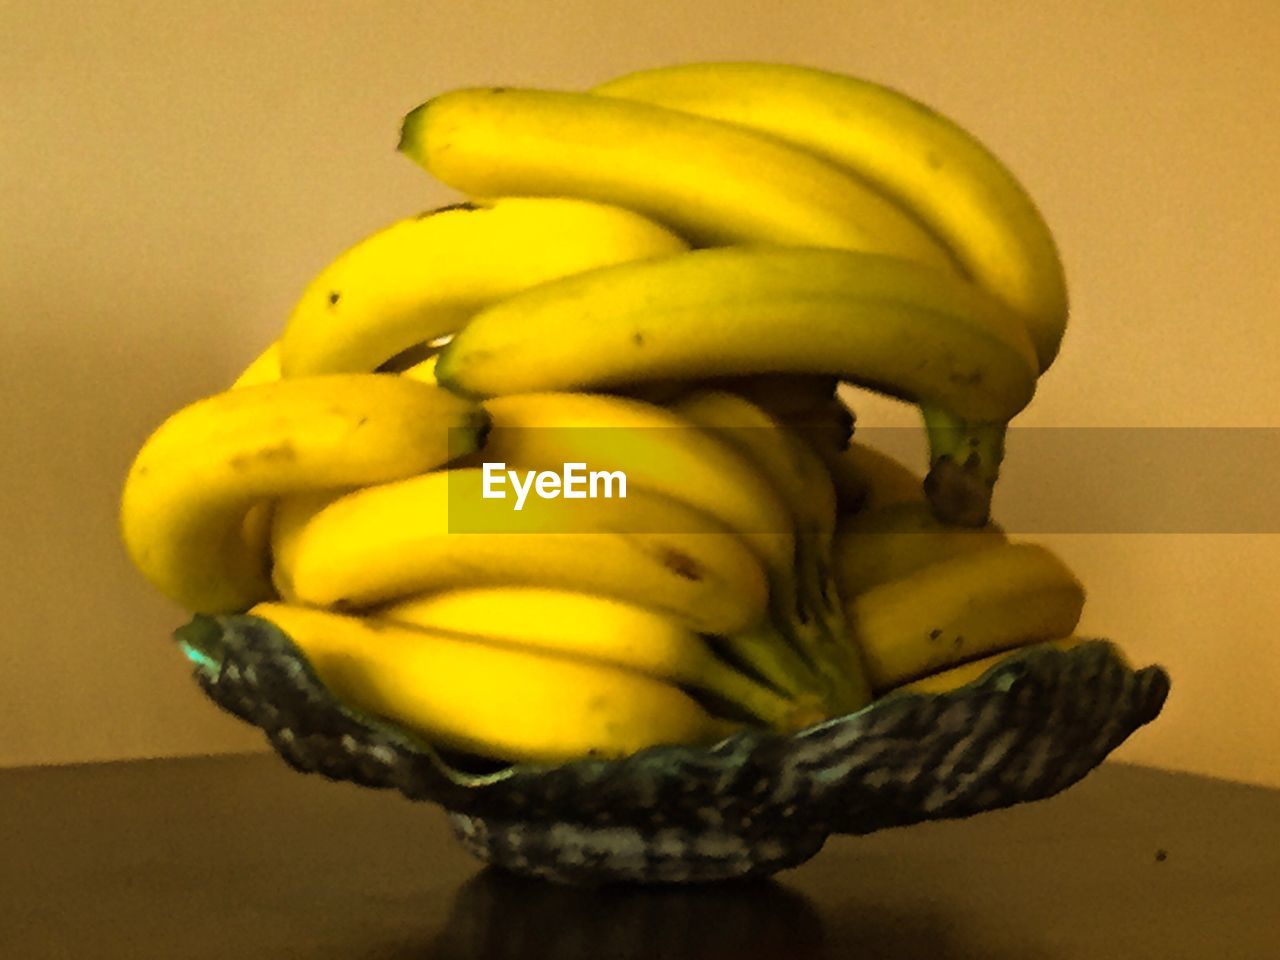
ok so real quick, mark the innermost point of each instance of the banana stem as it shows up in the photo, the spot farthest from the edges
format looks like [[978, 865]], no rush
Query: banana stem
[[829, 643], [773, 709], [857, 687], [767, 652], [964, 460]]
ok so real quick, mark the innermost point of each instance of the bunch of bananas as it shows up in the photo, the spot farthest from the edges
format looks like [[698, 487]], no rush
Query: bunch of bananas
[[665, 278]]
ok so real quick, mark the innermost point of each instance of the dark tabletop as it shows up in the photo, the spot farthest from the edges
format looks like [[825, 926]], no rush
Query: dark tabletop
[[241, 857]]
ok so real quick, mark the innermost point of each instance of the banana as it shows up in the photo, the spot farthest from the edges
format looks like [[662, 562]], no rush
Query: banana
[[438, 531], [714, 183], [959, 609], [953, 184], [661, 452], [265, 368], [948, 680], [423, 277], [867, 479], [889, 324], [496, 701], [922, 160], [789, 466], [599, 630], [656, 449], [797, 473], [186, 496], [894, 541], [424, 370], [289, 516]]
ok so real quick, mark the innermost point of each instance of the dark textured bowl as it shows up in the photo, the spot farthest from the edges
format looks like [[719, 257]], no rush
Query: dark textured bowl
[[750, 805]]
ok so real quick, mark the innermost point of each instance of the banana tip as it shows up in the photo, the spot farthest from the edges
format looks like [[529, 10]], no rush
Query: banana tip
[[411, 131]]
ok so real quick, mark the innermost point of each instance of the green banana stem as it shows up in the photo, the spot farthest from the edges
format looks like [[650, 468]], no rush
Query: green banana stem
[[964, 463], [774, 709], [857, 687], [824, 646], [851, 689], [767, 652]]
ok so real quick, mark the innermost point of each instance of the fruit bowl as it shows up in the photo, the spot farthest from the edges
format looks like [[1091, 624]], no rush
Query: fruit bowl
[[750, 805]]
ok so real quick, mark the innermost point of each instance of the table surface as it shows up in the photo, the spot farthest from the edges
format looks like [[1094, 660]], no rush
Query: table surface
[[239, 856]]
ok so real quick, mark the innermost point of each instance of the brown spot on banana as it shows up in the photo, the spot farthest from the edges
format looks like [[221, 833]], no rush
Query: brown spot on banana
[[681, 564]]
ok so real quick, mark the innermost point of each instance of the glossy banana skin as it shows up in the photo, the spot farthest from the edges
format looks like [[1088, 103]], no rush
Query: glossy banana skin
[[713, 183], [422, 278], [963, 608], [501, 701], [884, 322], [862, 238], [925, 162], [188, 492], [436, 531]]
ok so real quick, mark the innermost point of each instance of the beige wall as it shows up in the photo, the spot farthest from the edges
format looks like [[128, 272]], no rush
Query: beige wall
[[172, 172]]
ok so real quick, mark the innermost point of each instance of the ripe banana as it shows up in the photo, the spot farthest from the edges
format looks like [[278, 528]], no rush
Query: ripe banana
[[188, 491], [958, 609], [812, 618], [789, 466], [867, 479], [925, 162], [948, 680], [289, 516], [714, 183], [265, 368], [424, 370], [424, 277], [894, 541], [437, 532], [889, 324], [508, 704], [656, 449], [599, 630], [661, 452]]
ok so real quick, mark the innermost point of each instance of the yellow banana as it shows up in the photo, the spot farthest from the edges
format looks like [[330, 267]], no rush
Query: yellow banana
[[712, 182], [424, 370], [927, 163], [187, 493], [958, 609], [495, 701], [424, 277], [438, 531], [890, 324], [655, 448], [790, 466], [289, 516], [795, 471], [660, 451], [965, 673], [894, 541], [599, 630], [867, 479], [265, 368]]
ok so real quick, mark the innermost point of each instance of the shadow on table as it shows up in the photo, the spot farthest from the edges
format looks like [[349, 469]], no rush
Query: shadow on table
[[496, 916]]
